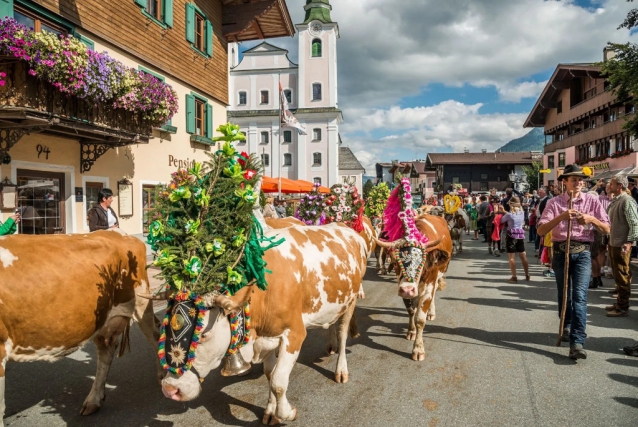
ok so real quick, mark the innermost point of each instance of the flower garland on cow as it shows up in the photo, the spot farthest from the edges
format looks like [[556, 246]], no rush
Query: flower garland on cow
[[312, 208], [377, 200], [345, 205], [404, 238], [207, 241]]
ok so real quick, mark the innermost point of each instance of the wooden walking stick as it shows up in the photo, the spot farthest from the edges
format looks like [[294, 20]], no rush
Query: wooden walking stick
[[566, 273]]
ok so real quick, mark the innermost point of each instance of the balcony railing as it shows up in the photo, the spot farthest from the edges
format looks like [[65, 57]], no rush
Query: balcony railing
[[606, 130]]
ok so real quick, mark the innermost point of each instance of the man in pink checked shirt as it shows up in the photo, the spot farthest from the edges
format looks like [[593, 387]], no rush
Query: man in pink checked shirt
[[586, 214]]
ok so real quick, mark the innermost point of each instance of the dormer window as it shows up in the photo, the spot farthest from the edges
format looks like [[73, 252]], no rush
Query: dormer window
[[316, 48]]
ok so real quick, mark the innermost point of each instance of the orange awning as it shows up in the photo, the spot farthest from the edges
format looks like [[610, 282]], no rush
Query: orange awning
[[288, 186], [321, 189]]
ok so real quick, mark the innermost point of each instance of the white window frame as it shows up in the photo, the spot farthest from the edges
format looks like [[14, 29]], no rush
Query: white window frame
[[263, 157], [283, 137], [261, 137], [313, 135], [140, 202], [260, 93], [314, 180], [290, 101], [283, 160], [104, 180], [315, 164], [239, 98], [312, 91]]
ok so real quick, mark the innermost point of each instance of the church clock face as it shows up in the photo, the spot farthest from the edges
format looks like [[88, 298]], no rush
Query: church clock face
[[315, 28]]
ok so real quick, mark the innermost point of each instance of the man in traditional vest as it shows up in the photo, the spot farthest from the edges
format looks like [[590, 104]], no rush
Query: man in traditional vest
[[623, 215], [586, 214]]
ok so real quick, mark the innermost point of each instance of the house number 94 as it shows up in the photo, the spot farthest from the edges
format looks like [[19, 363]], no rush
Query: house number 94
[[43, 150]]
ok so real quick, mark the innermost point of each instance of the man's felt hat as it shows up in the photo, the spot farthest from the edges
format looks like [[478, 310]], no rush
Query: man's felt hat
[[572, 170]]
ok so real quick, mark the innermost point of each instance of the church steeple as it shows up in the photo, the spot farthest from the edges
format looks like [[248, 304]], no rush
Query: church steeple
[[318, 10]]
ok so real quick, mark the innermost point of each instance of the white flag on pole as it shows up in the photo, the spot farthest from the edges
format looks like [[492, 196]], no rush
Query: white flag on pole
[[287, 118]]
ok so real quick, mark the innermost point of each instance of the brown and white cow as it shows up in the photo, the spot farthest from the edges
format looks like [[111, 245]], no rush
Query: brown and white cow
[[457, 224], [317, 273], [289, 221], [418, 295], [59, 291]]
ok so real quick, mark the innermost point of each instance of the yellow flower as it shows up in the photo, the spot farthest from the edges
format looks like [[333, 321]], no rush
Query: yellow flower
[[587, 171]]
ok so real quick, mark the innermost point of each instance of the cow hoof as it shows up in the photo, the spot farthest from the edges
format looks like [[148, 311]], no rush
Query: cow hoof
[[430, 317], [268, 419], [89, 408], [418, 356], [341, 377], [331, 349], [410, 336]]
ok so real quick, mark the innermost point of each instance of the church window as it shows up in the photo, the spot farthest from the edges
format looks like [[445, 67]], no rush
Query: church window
[[288, 94], [287, 136], [316, 91], [264, 97], [265, 159], [316, 48], [316, 159], [287, 159], [316, 134], [317, 180], [242, 98], [264, 137]]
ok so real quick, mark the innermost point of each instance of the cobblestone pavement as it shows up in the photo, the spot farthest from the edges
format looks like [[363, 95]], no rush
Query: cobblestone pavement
[[490, 360]]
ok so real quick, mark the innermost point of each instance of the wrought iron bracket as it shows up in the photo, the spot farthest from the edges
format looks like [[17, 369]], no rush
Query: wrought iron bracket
[[90, 152], [10, 137]]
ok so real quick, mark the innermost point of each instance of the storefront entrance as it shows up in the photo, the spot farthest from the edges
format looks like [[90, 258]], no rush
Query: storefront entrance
[[41, 197]]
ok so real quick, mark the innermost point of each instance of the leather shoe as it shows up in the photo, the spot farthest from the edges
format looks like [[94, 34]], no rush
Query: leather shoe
[[576, 352], [618, 313], [631, 350], [610, 307]]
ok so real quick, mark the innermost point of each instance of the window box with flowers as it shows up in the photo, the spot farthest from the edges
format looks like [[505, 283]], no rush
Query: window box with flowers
[[59, 76]]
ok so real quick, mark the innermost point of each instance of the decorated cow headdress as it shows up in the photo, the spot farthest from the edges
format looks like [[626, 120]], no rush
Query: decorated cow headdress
[[312, 208], [346, 205], [207, 241]]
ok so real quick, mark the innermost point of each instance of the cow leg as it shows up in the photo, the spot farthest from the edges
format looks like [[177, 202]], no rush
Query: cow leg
[[460, 241], [411, 326], [333, 344], [418, 351], [343, 325], [269, 366], [106, 343], [149, 325], [5, 348], [431, 312], [288, 353]]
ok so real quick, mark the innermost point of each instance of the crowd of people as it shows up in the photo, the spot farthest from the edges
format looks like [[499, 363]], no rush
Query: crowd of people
[[604, 230], [275, 208]]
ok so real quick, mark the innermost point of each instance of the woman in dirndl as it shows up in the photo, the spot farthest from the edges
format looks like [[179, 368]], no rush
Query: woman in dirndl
[[515, 239]]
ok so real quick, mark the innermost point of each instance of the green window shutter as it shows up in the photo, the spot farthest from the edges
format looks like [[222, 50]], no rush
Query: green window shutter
[[190, 23], [209, 121], [209, 38], [6, 8], [141, 3], [88, 42], [190, 114], [168, 13]]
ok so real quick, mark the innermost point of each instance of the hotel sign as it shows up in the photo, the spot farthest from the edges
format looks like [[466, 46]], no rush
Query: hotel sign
[[600, 166]]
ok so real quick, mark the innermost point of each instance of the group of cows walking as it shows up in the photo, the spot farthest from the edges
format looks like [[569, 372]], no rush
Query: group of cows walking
[[91, 286]]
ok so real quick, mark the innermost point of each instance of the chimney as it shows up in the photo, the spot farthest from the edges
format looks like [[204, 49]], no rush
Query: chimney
[[466, 150], [608, 53], [484, 150]]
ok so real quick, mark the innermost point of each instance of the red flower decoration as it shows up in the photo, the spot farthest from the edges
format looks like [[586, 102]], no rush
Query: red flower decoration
[[243, 157], [249, 174]]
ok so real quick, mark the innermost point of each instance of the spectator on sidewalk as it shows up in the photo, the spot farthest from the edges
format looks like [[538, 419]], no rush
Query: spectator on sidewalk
[[269, 208], [483, 210], [515, 238], [586, 214], [599, 247], [623, 216], [540, 207], [280, 208], [102, 216]]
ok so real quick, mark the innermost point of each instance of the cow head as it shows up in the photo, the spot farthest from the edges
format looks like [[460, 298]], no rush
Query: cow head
[[411, 261], [214, 341]]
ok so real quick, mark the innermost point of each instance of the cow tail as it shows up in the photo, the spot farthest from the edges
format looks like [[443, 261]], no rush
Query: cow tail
[[353, 328], [442, 284], [125, 342]]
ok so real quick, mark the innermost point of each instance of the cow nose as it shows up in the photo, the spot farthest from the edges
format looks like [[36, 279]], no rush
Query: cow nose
[[407, 291], [171, 392]]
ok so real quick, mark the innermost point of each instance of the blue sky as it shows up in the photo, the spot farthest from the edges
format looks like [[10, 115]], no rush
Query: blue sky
[[439, 76]]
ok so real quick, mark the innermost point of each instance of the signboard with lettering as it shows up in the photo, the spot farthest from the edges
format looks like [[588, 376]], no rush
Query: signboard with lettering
[[180, 164], [125, 198], [600, 166]]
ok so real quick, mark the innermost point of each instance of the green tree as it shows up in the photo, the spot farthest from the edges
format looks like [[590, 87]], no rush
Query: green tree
[[367, 187], [622, 70], [532, 172]]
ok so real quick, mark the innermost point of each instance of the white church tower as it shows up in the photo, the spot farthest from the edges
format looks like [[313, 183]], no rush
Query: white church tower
[[311, 88]]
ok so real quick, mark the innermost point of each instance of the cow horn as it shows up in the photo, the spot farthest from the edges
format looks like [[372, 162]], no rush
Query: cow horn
[[390, 245], [162, 296]]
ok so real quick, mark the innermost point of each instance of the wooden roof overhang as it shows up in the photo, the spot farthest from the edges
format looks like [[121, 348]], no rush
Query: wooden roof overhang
[[559, 81], [246, 20]]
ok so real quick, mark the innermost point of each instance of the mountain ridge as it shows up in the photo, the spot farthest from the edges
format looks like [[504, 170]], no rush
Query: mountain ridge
[[532, 141]]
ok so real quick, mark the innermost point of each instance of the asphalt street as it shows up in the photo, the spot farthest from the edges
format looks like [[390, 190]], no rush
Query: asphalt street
[[491, 360]]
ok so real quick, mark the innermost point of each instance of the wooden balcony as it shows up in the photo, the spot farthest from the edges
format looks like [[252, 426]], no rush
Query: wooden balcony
[[30, 105], [607, 130]]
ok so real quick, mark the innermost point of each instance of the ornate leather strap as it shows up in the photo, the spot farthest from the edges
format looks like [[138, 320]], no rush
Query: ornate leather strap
[[574, 247]]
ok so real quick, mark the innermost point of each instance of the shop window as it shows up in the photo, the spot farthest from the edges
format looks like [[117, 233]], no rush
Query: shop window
[[316, 134], [36, 22], [316, 91], [264, 137], [148, 203], [287, 136], [265, 159], [561, 160], [316, 159], [317, 180], [317, 48], [160, 11], [242, 98], [287, 159], [264, 97], [199, 30], [199, 118], [41, 198]]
